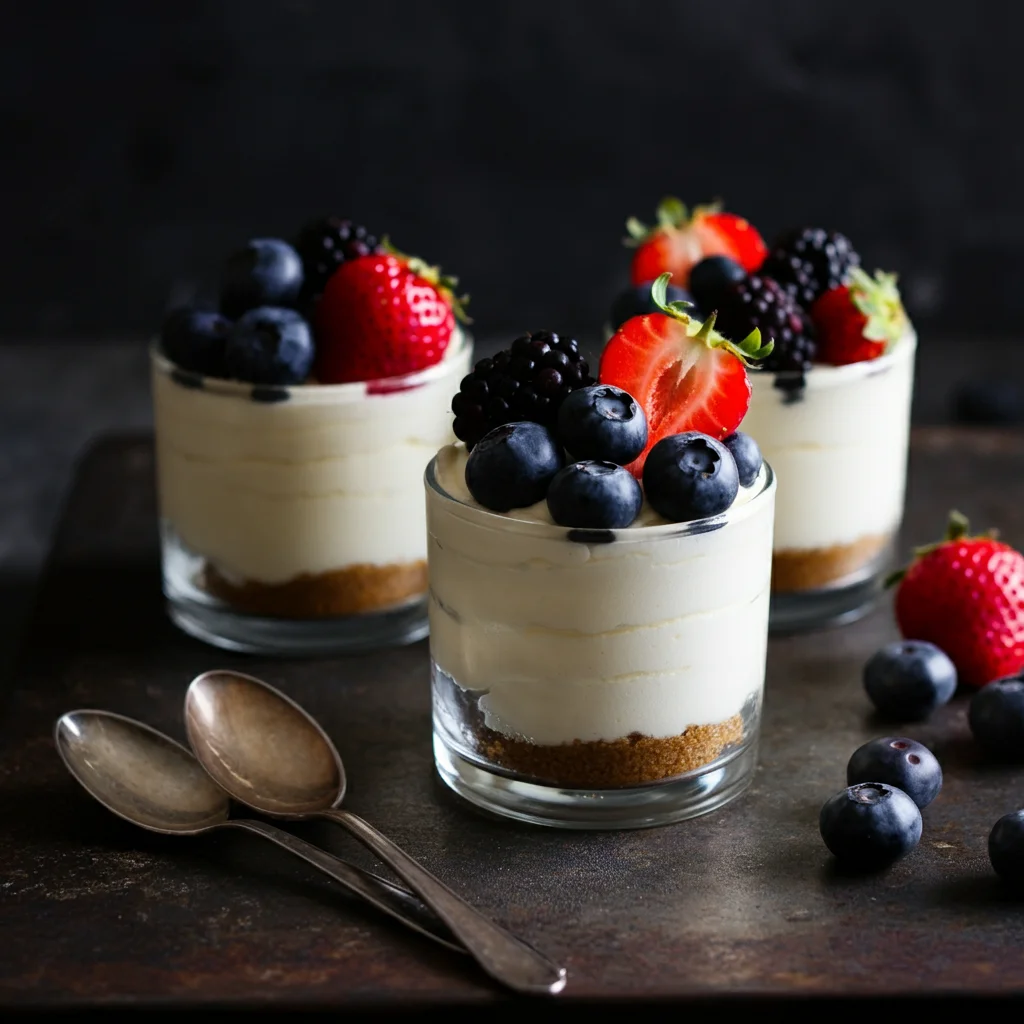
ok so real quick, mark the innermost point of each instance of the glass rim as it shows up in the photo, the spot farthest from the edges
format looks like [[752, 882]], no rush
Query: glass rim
[[353, 390], [824, 375], [630, 534]]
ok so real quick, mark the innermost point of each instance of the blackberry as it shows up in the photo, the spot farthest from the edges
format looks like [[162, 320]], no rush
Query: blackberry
[[324, 245], [527, 381], [808, 262], [763, 303]]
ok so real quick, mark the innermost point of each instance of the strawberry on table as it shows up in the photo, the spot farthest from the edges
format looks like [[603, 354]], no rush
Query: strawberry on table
[[681, 239], [966, 596], [383, 315], [684, 374], [859, 320]]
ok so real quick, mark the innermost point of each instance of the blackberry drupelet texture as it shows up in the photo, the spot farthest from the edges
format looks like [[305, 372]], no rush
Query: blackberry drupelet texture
[[808, 262], [763, 303], [324, 244], [527, 381]]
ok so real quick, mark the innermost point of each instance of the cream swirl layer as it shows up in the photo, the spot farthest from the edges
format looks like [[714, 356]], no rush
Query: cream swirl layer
[[329, 477], [839, 450], [646, 630]]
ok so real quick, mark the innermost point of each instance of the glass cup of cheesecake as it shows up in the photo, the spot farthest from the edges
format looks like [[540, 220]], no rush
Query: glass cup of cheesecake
[[830, 406], [292, 430], [599, 579]]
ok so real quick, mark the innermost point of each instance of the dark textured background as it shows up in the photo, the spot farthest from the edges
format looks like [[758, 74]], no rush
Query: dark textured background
[[506, 141]]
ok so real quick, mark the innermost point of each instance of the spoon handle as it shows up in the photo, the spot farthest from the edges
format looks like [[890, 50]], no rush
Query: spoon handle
[[385, 895], [501, 954]]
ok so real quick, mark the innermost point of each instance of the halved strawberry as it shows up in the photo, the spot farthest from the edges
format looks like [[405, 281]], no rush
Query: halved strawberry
[[684, 373], [682, 239]]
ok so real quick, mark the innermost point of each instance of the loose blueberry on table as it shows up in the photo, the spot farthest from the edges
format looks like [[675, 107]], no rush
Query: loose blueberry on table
[[900, 762], [996, 718], [513, 465], [870, 825], [908, 679], [1006, 848]]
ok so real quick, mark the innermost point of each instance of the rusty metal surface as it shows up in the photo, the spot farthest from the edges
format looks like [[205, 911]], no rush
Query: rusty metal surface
[[744, 901]]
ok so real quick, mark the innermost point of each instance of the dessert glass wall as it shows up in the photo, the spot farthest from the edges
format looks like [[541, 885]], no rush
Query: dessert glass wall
[[292, 518], [597, 679], [839, 447]]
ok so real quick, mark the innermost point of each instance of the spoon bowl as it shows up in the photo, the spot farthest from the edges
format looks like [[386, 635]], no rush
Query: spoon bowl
[[139, 774]]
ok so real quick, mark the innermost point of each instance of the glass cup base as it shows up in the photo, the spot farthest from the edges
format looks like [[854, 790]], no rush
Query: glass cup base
[[659, 803]]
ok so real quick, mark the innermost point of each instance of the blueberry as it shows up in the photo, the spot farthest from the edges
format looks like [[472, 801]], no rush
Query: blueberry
[[690, 476], [602, 422], [594, 495], [1006, 848], [267, 272], [636, 301], [870, 825], [270, 345], [905, 764], [908, 679], [996, 717], [711, 278], [747, 455], [512, 466], [194, 339]]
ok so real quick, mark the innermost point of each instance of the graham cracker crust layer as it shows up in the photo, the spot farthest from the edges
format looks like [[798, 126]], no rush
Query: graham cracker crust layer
[[349, 591], [604, 764], [813, 568]]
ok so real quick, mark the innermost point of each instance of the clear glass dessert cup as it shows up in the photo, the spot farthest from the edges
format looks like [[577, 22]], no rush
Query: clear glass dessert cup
[[839, 447], [292, 518], [597, 679]]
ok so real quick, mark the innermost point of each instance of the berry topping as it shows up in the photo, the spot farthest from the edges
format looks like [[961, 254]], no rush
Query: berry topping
[[383, 315], [996, 717], [908, 679], [682, 239], [685, 375], [636, 300], [710, 279], [269, 345], [690, 476], [323, 245], [748, 456], [594, 495], [870, 825], [512, 466], [1006, 848], [527, 381], [898, 762], [966, 595], [194, 339], [859, 320], [602, 422], [763, 304], [267, 272], [808, 262]]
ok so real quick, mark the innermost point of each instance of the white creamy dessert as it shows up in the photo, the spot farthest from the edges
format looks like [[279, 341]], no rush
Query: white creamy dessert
[[596, 657], [303, 500], [840, 452]]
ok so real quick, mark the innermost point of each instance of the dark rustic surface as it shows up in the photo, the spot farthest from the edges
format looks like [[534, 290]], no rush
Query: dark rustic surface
[[743, 901]]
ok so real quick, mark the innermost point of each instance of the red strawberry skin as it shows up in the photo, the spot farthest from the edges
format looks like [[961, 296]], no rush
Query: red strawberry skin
[[378, 318], [966, 596], [745, 241], [840, 329], [680, 382]]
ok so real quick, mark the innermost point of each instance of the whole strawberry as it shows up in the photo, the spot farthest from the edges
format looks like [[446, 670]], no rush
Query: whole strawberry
[[966, 596], [681, 239], [383, 315], [859, 320]]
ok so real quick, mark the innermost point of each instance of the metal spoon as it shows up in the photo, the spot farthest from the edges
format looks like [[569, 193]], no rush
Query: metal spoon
[[150, 780], [269, 754]]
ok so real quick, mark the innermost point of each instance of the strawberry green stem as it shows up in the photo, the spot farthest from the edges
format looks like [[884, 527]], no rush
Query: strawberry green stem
[[957, 528]]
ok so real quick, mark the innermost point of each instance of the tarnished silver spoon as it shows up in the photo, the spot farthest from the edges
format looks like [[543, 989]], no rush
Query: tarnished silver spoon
[[269, 754], [150, 780]]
